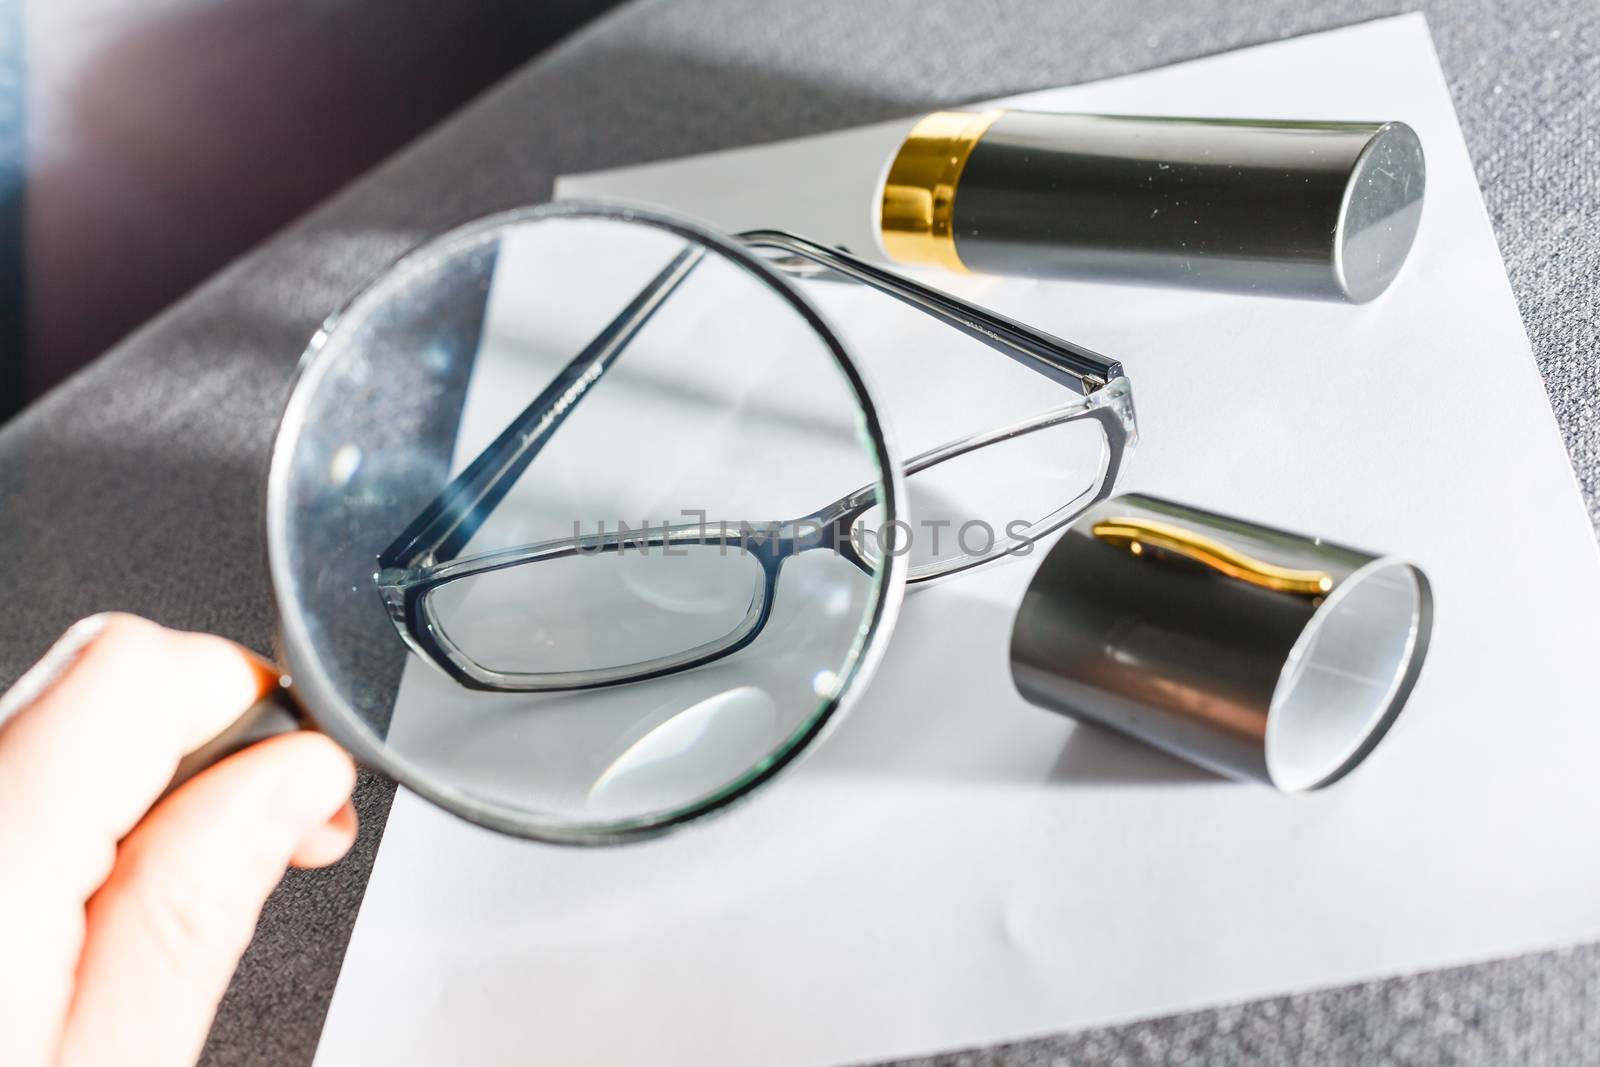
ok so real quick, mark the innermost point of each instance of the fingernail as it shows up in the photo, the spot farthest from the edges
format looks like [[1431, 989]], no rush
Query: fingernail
[[38, 679]]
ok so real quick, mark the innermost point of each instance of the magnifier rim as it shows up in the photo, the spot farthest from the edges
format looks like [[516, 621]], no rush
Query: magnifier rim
[[312, 687]]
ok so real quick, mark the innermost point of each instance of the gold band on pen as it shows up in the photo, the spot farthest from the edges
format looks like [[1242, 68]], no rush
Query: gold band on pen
[[919, 193], [1136, 533]]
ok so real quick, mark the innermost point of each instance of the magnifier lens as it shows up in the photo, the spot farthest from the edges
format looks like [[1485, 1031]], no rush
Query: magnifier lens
[[532, 524]]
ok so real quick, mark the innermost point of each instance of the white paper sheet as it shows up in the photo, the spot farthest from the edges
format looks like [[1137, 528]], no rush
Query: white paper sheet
[[957, 867]]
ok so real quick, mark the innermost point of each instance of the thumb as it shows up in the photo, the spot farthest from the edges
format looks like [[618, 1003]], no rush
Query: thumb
[[166, 930]]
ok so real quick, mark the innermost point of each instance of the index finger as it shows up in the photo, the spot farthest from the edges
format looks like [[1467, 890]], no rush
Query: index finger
[[83, 762], [104, 720]]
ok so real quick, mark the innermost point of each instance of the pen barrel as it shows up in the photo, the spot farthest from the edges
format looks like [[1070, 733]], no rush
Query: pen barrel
[[1311, 209]]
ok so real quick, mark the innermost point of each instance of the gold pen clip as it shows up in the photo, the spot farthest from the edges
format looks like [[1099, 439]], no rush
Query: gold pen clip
[[1135, 534]]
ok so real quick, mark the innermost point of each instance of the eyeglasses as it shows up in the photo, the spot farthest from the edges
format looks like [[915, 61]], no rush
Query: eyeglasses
[[673, 370], [471, 614]]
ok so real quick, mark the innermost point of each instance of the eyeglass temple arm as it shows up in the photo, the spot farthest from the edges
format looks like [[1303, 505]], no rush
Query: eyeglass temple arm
[[1071, 365], [446, 525]]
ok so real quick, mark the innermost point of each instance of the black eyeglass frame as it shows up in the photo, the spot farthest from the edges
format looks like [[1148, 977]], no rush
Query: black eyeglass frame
[[424, 557], [308, 695]]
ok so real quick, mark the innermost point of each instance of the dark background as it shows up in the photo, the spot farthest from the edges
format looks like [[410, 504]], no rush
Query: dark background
[[145, 145]]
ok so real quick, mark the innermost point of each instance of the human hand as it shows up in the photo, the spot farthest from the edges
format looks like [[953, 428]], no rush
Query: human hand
[[121, 923]]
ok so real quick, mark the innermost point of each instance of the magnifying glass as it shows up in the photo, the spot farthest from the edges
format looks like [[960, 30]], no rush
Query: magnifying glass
[[581, 521]]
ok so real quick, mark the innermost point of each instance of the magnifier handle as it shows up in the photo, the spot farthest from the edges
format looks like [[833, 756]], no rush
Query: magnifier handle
[[275, 713]]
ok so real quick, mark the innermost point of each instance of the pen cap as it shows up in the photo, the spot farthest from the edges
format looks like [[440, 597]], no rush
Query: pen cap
[[1254, 652], [1310, 209]]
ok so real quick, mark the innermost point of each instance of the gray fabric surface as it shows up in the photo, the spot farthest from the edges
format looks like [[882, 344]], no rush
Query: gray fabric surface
[[137, 485]]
